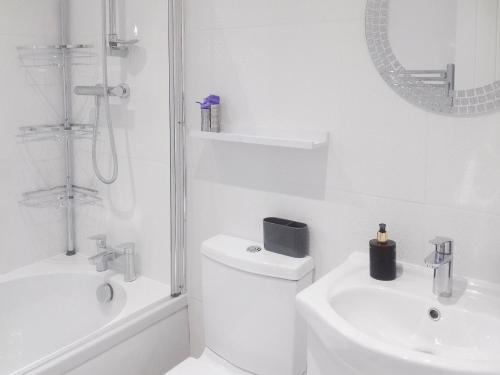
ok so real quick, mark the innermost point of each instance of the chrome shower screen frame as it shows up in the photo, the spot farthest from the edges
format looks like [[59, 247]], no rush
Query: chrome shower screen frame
[[177, 148]]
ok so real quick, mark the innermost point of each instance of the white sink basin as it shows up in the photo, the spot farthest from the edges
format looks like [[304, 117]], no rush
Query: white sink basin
[[361, 326]]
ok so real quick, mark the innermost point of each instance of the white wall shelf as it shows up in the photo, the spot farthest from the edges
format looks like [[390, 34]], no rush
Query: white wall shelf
[[289, 139]]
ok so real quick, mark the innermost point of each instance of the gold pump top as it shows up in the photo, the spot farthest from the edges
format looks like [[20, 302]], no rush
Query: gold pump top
[[382, 236]]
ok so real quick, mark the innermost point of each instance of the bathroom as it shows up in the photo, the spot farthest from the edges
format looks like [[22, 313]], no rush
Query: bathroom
[[126, 224]]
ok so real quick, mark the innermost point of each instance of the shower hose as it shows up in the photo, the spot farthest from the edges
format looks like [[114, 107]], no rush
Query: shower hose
[[98, 102]]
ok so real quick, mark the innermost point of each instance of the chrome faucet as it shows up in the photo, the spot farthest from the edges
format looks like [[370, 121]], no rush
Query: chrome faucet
[[106, 256], [441, 260]]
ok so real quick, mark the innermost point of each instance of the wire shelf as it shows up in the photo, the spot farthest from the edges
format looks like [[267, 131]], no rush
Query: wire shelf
[[57, 197], [55, 132], [55, 56]]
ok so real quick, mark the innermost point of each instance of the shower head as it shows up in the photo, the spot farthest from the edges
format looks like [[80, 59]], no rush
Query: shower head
[[117, 46]]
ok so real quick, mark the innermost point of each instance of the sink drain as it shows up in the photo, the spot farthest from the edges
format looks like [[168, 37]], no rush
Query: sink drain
[[434, 314]]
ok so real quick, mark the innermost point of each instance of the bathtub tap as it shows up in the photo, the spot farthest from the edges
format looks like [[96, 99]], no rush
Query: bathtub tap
[[106, 255]]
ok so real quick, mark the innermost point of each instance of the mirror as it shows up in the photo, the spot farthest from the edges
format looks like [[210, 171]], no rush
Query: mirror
[[424, 56]]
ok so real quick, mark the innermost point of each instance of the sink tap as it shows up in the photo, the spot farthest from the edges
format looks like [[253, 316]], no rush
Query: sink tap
[[106, 256], [441, 260]]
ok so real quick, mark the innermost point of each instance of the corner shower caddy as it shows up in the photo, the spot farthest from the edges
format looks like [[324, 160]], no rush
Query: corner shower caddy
[[67, 195]]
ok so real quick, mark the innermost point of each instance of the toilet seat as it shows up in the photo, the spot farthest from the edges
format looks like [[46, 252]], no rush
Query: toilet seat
[[208, 364]]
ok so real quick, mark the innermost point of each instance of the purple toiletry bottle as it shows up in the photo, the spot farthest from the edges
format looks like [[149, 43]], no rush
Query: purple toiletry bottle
[[214, 101]]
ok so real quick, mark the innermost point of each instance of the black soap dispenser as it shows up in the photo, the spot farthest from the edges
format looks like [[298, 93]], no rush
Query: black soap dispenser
[[382, 256]]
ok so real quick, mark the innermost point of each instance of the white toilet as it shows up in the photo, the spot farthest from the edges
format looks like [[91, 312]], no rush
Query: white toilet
[[251, 324]]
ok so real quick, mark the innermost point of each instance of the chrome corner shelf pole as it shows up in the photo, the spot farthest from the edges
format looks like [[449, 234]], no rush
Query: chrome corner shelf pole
[[68, 139], [177, 149]]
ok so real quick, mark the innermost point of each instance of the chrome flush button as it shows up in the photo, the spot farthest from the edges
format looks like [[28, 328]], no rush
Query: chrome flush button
[[254, 249]]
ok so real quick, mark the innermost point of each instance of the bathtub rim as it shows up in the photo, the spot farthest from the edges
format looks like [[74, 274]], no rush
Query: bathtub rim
[[124, 326], [85, 349]]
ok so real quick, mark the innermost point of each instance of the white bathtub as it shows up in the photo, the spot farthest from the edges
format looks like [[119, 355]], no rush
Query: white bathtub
[[51, 322]]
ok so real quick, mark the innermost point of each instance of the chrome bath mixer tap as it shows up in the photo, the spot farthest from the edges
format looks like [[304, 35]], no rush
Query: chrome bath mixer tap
[[106, 257]]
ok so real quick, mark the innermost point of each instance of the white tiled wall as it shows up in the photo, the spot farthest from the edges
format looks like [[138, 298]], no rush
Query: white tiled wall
[[137, 207], [304, 65], [27, 234]]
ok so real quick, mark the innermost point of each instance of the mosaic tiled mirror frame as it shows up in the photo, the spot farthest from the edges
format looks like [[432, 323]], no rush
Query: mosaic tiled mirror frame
[[470, 102]]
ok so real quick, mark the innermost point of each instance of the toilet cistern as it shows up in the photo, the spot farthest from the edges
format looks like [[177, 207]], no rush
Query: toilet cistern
[[251, 323]]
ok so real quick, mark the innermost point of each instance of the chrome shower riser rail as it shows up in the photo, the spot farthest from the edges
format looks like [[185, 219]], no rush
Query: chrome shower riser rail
[[116, 46]]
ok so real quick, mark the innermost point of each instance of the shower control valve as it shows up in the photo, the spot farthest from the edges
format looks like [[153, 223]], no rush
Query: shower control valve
[[120, 91]]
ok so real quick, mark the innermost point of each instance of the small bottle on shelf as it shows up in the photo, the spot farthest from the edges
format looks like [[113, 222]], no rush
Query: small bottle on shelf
[[210, 114]]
